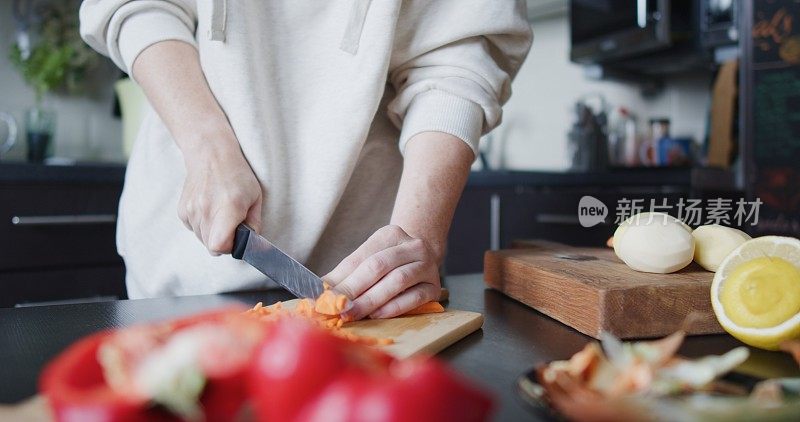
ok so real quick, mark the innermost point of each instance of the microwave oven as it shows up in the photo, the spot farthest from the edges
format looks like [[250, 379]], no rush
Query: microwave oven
[[605, 31]]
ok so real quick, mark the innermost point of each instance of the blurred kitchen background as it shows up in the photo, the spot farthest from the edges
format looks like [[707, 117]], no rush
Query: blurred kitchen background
[[653, 100]]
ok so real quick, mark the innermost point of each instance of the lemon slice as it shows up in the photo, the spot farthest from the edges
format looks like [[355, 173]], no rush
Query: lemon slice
[[756, 291]]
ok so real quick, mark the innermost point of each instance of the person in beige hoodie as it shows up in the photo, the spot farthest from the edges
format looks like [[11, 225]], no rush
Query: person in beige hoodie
[[342, 130]]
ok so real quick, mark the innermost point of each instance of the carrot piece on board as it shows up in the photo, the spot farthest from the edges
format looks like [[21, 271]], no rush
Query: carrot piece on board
[[426, 308], [330, 303]]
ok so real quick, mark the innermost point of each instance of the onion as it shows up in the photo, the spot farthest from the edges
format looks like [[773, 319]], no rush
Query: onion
[[714, 243], [654, 243]]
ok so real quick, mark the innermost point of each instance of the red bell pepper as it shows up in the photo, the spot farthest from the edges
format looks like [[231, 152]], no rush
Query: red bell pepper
[[289, 370], [77, 390], [302, 373]]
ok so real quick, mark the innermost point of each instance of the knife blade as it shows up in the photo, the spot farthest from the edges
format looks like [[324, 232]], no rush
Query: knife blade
[[281, 268]]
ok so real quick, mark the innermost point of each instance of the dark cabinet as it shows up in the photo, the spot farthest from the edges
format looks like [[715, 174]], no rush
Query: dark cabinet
[[552, 214], [57, 234], [471, 231], [498, 208]]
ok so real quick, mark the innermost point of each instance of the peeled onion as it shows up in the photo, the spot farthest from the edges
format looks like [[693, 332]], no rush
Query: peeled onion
[[654, 243], [714, 242]]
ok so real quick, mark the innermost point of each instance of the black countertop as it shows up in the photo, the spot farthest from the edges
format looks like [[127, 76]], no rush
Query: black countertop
[[89, 173], [514, 337]]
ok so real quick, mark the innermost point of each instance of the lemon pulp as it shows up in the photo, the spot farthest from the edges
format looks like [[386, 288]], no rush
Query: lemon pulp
[[762, 292]]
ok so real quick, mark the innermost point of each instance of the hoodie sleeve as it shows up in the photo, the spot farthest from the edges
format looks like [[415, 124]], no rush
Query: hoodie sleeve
[[121, 29], [453, 64]]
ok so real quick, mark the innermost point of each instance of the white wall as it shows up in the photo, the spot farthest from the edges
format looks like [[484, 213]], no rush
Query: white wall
[[85, 128], [538, 116], [535, 123]]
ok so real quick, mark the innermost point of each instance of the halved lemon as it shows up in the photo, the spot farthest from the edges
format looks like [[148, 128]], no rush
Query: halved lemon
[[756, 291]]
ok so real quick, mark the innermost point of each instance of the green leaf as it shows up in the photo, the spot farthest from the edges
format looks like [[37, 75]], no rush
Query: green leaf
[[60, 59]]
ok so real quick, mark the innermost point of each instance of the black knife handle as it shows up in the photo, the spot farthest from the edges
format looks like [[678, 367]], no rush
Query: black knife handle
[[240, 237]]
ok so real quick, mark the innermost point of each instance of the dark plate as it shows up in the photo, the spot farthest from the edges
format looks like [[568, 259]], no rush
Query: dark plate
[[532, 394]]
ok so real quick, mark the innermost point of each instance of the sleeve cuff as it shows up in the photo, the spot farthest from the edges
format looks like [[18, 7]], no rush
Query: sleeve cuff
[[143, 29], [440, 111]]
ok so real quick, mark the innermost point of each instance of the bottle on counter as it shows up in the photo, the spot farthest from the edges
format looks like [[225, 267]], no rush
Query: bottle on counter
[[622, 140], [659, 133]]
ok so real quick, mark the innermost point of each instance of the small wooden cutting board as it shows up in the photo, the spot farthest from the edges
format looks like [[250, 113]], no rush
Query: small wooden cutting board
[[592, 290], [417, 334], [420, 334]]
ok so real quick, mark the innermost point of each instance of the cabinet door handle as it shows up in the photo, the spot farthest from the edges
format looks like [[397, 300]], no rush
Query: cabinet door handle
[[494, 222], [93, 299], [62, 220], [544, 218]]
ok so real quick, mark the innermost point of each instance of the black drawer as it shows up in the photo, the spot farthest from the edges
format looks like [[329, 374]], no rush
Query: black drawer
[[29, 288], [553, 215], [57, 225], [470, 232]]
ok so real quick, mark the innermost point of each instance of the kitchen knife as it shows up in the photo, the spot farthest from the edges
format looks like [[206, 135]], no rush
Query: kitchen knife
[[279, 267]]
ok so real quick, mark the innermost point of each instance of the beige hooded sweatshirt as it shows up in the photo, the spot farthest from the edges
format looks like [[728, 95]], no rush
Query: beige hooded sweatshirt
[[322, 96]]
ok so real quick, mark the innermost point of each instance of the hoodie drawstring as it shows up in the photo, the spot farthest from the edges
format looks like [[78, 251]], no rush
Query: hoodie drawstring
[[219, 17], [352, 34]]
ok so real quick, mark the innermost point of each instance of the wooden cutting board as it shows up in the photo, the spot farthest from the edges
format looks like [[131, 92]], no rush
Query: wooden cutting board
[[592, 290], [417, 334]]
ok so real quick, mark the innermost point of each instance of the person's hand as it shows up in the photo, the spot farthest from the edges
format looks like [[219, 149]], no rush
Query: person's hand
[[220, 191], [390, 274]]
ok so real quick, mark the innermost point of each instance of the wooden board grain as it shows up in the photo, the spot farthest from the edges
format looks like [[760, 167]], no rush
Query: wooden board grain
[[420, 334], [417, 334], [593, 291]]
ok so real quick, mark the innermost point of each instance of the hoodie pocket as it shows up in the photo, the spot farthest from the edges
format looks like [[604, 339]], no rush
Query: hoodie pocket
[[355, 25]]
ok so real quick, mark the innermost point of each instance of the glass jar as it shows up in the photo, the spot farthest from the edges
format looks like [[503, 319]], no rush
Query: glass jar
[[40, 124]]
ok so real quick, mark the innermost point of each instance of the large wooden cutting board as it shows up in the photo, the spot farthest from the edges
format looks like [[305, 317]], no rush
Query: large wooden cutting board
[[417, 334], [592, 290]]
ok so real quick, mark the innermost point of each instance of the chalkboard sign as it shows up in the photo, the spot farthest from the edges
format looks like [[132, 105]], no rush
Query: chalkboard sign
[[772, 89]]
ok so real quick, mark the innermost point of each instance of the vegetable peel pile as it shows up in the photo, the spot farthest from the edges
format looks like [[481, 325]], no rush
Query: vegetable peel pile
[[619, 369], [646, 380]]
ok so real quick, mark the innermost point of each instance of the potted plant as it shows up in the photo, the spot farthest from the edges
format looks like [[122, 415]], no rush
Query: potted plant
[[56, 61]]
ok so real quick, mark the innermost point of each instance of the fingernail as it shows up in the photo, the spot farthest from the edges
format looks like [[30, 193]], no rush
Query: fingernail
[[347, 316], [348, 306], [351, 313]]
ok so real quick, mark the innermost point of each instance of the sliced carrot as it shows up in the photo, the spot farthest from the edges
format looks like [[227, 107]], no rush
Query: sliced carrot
[[426, 308], [325, 312], [330, 303]]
